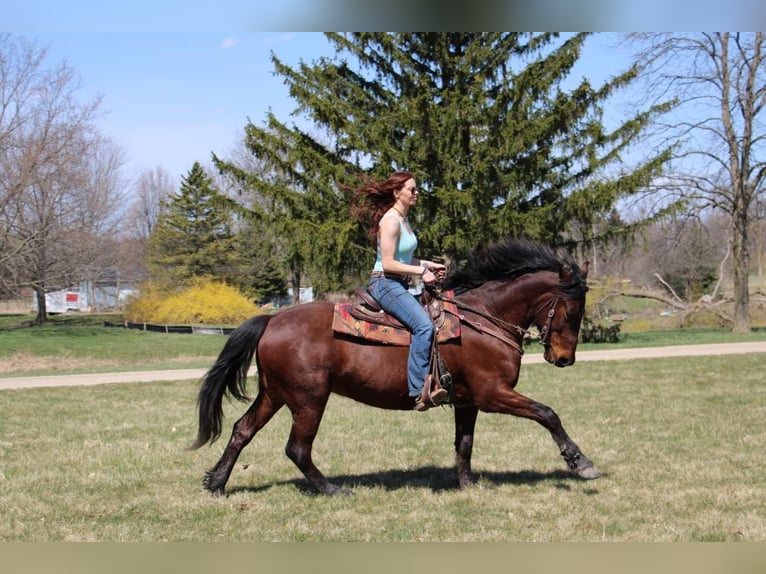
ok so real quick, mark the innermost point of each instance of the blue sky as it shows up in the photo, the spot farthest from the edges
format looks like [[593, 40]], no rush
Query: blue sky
[[172, 98], [180, 78]]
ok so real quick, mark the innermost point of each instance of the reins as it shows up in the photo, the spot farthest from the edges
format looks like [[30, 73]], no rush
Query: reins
[[545, 331], [478, 326]]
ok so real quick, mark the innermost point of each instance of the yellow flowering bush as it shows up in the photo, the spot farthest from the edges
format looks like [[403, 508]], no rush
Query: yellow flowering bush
[[205, 302]]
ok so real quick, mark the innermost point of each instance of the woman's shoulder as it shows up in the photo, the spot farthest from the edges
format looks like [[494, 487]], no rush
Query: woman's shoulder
[[390, 217], [391, 213], [390, 221]]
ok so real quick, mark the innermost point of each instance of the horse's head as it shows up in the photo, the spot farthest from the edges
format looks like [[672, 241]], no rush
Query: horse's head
[[522, 282], [559, 316]]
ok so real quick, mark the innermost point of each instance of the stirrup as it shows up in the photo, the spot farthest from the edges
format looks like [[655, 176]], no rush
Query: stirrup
[[431, 398], [437, 398]]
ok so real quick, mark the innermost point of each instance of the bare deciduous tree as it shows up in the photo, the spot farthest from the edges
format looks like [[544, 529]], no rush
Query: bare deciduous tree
[[59, 178], [150, 189], [720, 81]]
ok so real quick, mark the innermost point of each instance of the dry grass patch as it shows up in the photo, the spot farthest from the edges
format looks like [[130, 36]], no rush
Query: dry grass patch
[[679, 440], [25, 363]]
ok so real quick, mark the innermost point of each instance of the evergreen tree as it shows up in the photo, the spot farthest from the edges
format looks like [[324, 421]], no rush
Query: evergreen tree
[[263, 272], [299, 206], [498, 147], [193, 236]]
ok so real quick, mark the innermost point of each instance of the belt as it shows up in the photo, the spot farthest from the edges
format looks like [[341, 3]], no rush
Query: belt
[[388, 275]]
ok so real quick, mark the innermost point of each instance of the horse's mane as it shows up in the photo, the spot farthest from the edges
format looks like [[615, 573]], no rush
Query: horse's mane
[[508, 261]]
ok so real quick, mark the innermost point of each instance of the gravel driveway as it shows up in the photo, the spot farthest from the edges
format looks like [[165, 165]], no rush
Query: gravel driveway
[[184, 374]]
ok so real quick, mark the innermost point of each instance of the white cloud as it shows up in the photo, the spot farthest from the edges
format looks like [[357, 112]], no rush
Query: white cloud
[[229, 42]]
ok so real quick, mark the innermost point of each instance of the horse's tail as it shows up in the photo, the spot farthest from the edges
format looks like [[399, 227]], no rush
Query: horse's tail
[[229, 373]]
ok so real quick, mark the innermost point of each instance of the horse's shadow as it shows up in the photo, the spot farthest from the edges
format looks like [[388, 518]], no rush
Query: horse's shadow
[[437, 479]]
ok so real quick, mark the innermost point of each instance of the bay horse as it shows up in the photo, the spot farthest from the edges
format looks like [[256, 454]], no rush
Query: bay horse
[[501, 290]]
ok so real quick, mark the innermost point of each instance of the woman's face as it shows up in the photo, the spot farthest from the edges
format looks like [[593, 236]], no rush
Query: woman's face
[[408, 194]]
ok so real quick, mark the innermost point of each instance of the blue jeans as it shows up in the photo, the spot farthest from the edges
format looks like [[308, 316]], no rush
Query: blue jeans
[[394, 298]]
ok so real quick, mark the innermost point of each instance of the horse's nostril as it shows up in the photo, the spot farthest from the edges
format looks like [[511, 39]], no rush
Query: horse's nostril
[[563, 362]]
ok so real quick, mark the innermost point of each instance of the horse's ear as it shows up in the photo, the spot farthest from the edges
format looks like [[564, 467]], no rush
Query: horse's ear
[[585, 268]]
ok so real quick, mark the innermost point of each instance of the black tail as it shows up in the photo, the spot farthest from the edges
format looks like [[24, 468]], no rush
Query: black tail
[[229, 373]]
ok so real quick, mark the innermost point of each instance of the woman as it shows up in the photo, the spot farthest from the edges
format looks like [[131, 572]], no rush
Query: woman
[[383, 207]]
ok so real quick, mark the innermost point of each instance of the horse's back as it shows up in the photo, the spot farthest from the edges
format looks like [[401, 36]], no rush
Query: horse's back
[[297, 327], [299, 350]]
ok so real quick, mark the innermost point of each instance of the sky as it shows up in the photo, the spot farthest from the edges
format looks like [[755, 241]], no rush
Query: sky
[[170, 99], [180, 79]]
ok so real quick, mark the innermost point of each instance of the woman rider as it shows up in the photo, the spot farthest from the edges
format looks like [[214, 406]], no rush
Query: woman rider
[[384, 206]]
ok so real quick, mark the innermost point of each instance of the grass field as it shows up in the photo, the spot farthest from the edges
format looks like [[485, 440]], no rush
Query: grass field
[[80, 344], [680, 440]]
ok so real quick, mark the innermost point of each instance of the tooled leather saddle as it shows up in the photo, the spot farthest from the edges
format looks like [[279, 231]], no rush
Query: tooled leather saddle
[[364, 318]]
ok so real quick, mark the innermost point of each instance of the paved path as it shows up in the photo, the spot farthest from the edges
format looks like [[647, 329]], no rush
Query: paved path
[[185, 374]]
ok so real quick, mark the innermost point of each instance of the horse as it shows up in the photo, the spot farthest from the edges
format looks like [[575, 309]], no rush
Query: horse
[[501, 290]]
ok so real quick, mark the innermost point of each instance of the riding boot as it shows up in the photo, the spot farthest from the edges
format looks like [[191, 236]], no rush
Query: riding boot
[[433, 394]]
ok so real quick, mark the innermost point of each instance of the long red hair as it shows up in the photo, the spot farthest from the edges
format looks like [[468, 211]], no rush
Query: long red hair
[[373, 198]]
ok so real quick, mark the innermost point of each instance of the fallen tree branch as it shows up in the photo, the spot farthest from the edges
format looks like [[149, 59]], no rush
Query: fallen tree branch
[[669, 288], [657, 296]]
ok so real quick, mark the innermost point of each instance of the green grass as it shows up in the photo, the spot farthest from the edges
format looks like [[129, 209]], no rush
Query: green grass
[[680, 441], [80, 344], [679, 337]]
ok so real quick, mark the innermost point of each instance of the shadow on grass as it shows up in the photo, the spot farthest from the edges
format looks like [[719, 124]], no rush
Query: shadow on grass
[[437, 479]]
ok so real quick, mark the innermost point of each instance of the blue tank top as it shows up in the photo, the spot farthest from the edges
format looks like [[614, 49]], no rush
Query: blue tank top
[[405, 245]]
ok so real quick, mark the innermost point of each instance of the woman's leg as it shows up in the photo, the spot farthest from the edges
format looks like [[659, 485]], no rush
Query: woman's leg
[[396, 300]]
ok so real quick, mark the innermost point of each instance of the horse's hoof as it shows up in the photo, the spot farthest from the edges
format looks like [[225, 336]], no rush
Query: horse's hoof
[[588, 473], [333, 490], [342, 492], [209, 484]]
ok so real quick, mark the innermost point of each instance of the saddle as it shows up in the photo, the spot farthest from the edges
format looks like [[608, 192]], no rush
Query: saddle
[[365, 319]]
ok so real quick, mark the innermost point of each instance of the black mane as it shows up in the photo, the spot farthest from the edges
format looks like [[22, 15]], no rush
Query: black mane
[[508, 261]]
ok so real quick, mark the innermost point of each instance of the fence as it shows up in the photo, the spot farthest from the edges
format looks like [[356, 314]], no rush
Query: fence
[[189, 329]]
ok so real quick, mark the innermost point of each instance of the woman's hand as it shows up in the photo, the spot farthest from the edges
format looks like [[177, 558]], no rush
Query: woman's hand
[[433, 272]]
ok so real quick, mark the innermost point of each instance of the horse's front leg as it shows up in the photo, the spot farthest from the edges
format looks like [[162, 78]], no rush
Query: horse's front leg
[[514, 403], [465, 422]]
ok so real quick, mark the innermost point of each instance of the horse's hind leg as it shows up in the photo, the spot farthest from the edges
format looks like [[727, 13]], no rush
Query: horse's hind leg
[[305, 426], [254, 419]]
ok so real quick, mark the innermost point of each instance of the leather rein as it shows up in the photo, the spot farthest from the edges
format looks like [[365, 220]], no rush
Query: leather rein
[[545, 331]]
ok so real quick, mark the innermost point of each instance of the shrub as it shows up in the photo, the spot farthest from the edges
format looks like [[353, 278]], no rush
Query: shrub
[[600, 332], [205, 302]]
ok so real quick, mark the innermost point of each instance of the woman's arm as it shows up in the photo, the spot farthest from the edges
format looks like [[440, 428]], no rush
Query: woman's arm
[[437, 269], [390, 230]]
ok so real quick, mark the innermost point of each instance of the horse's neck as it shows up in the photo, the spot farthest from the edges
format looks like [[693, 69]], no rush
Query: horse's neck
[[515, 301]]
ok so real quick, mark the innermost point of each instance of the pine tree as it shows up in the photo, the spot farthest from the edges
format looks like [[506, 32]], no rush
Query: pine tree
[[498, 147], [193, 237]]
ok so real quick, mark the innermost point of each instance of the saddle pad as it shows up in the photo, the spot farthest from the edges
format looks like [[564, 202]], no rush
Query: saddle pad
[[448, 324]]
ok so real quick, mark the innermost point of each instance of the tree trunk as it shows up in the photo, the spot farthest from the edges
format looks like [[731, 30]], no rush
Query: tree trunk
[[741, 269], [42, 309], [295, 281]]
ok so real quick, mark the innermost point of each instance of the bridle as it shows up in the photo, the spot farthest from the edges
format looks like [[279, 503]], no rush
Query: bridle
[[545, 331]]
